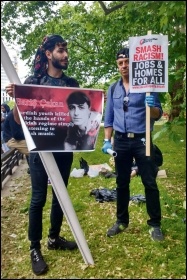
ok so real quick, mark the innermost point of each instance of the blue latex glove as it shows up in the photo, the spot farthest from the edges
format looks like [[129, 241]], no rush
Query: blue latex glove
[[150, 100], [107, 145]]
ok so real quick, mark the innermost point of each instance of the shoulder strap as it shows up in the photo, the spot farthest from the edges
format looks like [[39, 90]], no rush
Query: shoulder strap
[[113, 88]]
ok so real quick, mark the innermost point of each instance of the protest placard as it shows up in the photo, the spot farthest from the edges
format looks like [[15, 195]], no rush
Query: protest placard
[[148, 60], [55, 124], [148, 69]]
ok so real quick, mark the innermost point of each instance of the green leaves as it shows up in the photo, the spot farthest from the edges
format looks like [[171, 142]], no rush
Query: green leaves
[[96, 32]]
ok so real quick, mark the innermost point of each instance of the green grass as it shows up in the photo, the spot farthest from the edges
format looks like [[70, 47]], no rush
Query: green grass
[[129, 255]]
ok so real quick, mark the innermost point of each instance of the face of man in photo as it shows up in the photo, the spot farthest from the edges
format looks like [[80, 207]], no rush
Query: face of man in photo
[[79, 114]]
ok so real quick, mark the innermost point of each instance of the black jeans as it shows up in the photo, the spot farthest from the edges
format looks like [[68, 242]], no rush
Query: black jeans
[[127, 149], [39, 181]]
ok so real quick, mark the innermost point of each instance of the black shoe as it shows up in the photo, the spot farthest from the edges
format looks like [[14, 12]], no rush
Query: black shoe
[[117, 228], [62, 244], [28, 171], [156, 234], [39, 266]]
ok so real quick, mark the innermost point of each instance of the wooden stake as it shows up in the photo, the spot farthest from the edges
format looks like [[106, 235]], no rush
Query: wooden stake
[[148, 121]]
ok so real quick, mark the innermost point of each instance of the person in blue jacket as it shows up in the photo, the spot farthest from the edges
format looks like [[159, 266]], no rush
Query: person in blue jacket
[[125, 114]]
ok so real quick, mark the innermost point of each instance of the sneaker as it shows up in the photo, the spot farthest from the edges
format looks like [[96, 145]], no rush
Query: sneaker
[[117, 228], [39, 266], [156, 234], [61, 243]]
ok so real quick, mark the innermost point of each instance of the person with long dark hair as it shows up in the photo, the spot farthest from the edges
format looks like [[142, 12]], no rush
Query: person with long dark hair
[[50, 61]]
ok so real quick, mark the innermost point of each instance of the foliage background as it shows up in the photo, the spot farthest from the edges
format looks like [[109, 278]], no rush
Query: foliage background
[[95, 33]]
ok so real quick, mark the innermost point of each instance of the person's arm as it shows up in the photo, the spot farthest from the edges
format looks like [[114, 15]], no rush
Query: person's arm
[[109, 115], [108, 122], [16, 129], [108, 131], [16, 115]]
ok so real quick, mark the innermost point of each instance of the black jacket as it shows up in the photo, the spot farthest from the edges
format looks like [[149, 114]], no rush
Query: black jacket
[[12, 129]]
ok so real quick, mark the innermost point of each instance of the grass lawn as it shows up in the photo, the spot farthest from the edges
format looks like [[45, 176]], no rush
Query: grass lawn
[[129, 255]]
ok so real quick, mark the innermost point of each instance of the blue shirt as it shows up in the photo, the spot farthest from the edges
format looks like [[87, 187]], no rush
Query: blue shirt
[[134, 120]]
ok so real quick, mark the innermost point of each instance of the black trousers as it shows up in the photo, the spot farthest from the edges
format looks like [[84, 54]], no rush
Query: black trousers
[[39, 181], [127, 149]]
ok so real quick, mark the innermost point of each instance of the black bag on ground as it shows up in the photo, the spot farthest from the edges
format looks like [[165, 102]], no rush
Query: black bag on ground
[[84, 165]]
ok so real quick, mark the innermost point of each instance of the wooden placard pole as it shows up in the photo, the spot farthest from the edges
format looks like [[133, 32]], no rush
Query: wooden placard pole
[[148, 135]]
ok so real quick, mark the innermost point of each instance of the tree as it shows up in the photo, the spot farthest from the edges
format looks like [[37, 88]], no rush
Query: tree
[[97, 32]]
